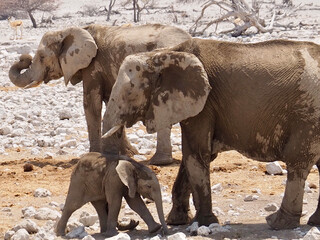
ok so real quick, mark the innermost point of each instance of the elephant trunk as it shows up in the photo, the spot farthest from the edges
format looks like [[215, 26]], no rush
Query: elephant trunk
[[111, 121], [159, 206], [16, 77]]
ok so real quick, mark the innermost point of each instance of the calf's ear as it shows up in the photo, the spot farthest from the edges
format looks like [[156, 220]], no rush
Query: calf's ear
[[127, 175]]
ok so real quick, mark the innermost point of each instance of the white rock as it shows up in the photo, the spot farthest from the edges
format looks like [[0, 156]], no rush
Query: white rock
[[216, 228], [139, 157], [35, 151], [78, 232], [193, 228], [217, 211], [8, 235], [28, 212], [65, 114], [88, 237], [274, 168], [28, 225], [217, 188], [145, 151], [87, 219], [250, 198], [313, 234], [21, 234], [17, 132], [44, 235], [203, 231], [42, 192], [69, 143], [177, 236], [46, 214], [5, 130], [120, 236], [271, 207], [307, 189], [73, 224]]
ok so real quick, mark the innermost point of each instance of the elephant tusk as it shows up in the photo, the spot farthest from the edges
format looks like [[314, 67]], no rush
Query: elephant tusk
[[111, 131], [33, 84]]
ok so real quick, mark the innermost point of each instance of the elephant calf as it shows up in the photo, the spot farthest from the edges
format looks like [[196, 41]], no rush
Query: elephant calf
[[103, 180]]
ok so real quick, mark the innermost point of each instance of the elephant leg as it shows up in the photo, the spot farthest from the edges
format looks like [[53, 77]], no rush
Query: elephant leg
[[180, 211], [163, 155], [101, 207], [92, 103], [72, 204], [114, 205], [288, 216], [197, 155], [118, 143], [314, 220], [137, 205], [201, 191]]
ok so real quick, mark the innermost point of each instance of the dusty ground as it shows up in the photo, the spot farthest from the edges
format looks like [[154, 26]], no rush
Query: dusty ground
[[238, 175]]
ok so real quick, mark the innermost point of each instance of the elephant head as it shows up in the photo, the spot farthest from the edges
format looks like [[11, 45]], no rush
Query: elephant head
[[60, 53], [160, 88], [142, 180]]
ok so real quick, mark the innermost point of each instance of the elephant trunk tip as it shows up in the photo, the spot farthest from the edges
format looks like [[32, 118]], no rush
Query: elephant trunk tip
[[26, 58], [21, 79]]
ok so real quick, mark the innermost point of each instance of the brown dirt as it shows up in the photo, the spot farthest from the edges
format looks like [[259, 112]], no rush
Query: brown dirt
[[238, 175]]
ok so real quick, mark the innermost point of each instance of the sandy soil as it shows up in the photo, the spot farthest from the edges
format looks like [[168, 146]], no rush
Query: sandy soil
[[238, 175]]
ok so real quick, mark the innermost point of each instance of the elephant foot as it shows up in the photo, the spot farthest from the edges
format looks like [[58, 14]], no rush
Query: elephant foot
[[282, 220], [178, 217], [161, 159], [60, 232], [130, 226], [206, 219], [314, 220], [60, 228], [155, 228], [110, 233]]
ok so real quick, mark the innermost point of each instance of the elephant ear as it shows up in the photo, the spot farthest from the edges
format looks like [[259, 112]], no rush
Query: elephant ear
[[126, 172], [77, 50], [179, 91]]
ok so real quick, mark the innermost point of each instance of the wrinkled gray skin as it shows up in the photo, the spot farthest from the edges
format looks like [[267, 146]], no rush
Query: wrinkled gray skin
[[93, 54], [103, 180], [264, 102]]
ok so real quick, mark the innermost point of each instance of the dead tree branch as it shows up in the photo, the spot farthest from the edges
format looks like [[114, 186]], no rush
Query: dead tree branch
[[237, 12]]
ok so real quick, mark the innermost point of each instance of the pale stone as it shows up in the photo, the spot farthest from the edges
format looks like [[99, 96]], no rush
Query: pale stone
[[42, 192], [203, 231], [28, 225], [177, 236], [46, 214], [274, 168], [313, 234], [21, 234], [271, 207]]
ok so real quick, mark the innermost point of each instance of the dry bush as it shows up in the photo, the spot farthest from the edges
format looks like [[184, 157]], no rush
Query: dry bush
[[31, 6]]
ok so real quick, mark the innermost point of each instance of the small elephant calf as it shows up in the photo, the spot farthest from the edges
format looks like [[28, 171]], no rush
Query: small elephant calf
[[103, 180]]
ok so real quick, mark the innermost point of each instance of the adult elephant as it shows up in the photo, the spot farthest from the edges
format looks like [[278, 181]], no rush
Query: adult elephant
[[264, 102], [93, 54]]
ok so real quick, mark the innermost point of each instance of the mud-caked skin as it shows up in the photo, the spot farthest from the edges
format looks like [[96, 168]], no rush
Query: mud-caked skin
[[260, 99], [93, 55], [103, 180]]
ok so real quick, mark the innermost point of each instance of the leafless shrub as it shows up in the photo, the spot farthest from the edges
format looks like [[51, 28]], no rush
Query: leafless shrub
[[240, 14], [139, 6], [89, 10], [30, 7]]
